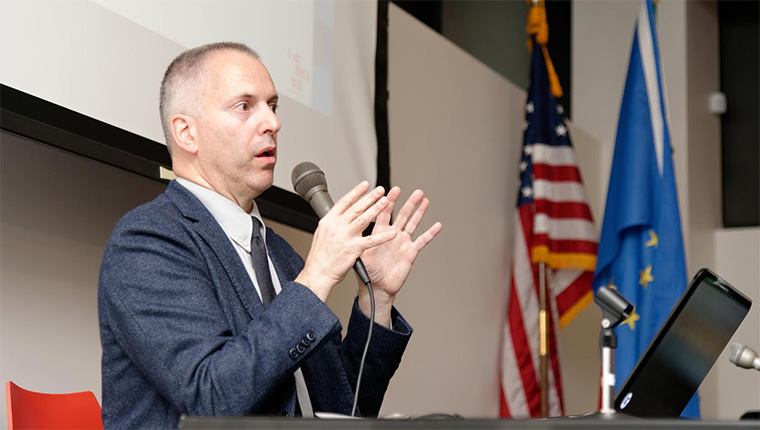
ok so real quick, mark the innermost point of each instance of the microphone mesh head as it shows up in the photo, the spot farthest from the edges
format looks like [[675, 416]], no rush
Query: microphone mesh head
[[306, 176], [736, 352]]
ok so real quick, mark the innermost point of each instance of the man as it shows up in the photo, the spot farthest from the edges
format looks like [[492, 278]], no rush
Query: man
[[187, 319]]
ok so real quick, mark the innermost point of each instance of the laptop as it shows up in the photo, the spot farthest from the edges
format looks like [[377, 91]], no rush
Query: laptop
[[677, 360]]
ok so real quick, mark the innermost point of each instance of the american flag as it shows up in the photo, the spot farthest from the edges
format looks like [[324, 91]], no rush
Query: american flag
[[553, 224]]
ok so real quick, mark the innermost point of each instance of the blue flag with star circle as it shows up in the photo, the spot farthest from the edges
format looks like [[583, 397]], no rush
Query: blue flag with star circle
[[641, 252]]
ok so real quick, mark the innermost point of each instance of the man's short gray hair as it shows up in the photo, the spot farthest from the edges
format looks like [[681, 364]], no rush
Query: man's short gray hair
[[180, 92]]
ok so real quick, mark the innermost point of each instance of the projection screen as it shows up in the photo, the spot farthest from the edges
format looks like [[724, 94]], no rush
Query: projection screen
[[104, 59]]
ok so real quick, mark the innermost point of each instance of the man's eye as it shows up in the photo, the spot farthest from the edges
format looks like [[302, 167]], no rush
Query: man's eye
[[273, 107], [245, 107]]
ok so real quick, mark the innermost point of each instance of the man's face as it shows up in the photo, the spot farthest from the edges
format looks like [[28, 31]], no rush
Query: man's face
[[237, 126]]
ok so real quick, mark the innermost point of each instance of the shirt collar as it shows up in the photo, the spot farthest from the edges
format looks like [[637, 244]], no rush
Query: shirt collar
[[232, 218]]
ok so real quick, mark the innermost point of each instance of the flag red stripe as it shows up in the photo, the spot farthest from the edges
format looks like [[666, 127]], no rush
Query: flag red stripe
[[556, 173], [574, 246], [523, 353], [554, 358], [570, 295], [504, 410], [526, 220], [562, 210]]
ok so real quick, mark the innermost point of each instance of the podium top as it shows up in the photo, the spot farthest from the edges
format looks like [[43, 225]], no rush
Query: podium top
[[584, 422]]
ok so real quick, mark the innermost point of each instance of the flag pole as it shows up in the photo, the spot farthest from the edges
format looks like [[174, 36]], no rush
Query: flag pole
[[537, 25], [540, 226], [543, 351]]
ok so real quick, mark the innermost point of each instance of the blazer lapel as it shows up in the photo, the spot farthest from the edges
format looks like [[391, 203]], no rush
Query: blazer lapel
[[286, 267], [204, 224]]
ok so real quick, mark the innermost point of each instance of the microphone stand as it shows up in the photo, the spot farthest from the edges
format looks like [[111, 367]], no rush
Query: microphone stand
[[615, 309], [608, 343]]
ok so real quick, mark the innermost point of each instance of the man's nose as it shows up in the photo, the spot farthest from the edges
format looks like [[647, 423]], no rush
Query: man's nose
[[272, 123]]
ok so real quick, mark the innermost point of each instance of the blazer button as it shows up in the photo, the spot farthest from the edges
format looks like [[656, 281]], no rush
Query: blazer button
[[305, 342], [311, 336], [293, 354], [300, 348]]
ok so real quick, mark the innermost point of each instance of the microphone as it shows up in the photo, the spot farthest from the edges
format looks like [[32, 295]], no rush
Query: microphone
[[310, 183], [744, 356]]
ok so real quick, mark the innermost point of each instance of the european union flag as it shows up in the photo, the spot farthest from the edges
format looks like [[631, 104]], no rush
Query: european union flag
[[641, 247]]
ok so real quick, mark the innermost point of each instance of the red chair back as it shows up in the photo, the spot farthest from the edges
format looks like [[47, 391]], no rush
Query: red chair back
[[31, 410]]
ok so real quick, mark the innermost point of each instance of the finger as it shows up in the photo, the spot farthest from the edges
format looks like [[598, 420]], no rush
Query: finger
[[350, 198], [414, 221], [363, 204], [363, 220], [421, 242], [406, 211], [377, 239], [384, 218]]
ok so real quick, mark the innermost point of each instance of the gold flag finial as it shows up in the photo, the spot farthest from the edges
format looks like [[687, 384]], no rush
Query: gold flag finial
[[538, 27]]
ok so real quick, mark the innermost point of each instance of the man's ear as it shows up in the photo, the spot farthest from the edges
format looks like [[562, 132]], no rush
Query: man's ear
[[184, 132]]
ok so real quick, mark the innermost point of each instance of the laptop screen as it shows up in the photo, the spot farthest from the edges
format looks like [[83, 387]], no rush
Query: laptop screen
[[677, 360]]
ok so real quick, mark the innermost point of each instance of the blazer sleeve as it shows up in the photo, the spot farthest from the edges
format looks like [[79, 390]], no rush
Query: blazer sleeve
[[166, 303], [331, 371], [383, 357]]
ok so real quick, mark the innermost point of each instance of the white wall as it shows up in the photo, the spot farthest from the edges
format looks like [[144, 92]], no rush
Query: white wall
[[455, 132], [56, 214], [729, 391]]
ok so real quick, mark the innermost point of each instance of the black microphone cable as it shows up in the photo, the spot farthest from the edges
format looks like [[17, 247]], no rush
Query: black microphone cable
[[366, 345]]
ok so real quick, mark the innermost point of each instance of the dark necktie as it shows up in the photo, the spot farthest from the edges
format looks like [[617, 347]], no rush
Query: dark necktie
[[261, 264]]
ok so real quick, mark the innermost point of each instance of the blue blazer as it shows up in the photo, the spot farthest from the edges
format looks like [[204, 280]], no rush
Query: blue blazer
[[183, 330]]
